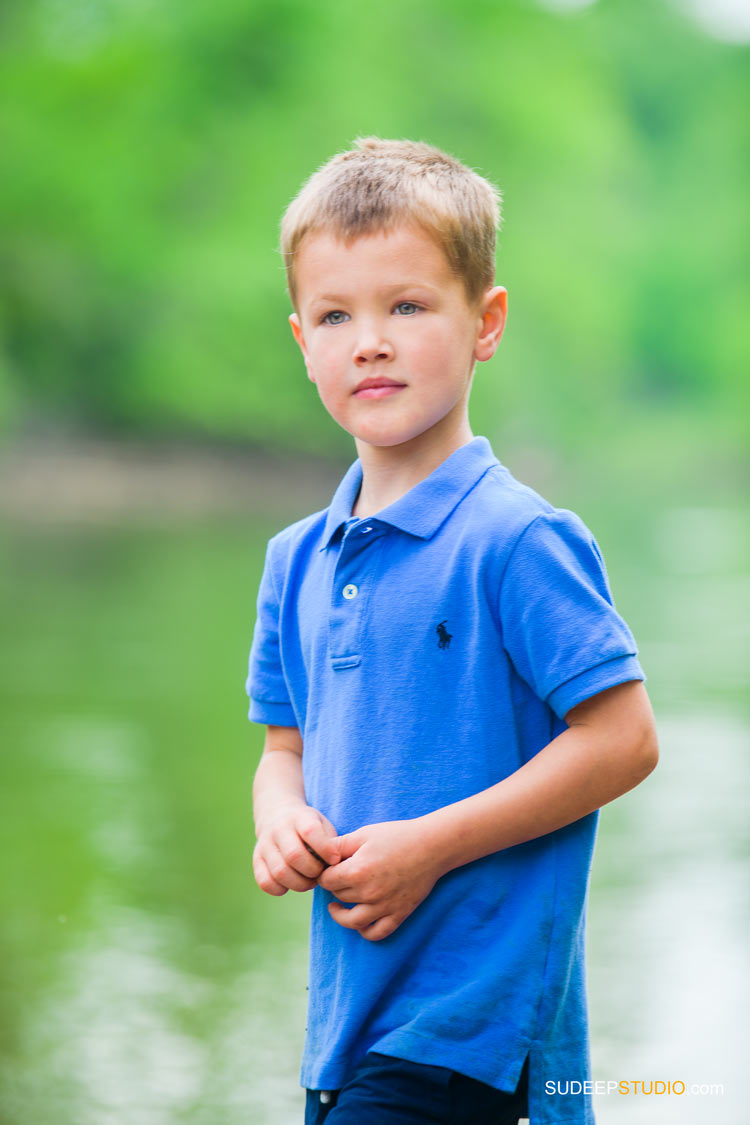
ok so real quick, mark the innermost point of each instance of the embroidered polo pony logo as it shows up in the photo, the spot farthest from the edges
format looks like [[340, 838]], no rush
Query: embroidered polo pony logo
[[444, 637]]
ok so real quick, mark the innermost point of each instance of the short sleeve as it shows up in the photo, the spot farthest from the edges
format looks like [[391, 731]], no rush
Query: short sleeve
[[266, 685], [560, 627]]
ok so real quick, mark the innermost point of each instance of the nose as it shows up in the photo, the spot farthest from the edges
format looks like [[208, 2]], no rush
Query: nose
[[371, 345]]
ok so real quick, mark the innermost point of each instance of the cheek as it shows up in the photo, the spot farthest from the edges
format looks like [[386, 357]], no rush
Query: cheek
[[326, 372], [325, 358], [442, 351]]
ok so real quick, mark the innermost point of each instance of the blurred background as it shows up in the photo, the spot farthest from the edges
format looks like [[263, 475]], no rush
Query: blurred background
[[157, 427]]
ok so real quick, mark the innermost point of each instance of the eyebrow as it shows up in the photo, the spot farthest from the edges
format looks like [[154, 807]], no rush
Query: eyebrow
[[337, 298]]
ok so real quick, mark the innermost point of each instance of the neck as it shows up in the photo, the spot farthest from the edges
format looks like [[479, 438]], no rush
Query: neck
[[389, 472]]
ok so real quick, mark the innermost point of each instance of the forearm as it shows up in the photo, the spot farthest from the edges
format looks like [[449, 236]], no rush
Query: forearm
[[585, 767], [278, 783]]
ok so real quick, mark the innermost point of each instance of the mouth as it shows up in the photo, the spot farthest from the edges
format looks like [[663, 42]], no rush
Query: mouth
[[378, 387]]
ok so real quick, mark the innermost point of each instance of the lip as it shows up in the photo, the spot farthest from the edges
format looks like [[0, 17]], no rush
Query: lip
[[378, 387]]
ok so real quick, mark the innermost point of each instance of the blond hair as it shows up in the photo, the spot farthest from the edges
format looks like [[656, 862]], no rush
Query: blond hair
[[381, 184]]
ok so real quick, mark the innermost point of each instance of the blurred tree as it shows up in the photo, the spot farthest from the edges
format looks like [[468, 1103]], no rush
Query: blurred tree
[[150, 148]]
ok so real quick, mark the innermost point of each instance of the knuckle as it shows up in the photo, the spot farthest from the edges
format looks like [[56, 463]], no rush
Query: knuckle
[[296, 854]]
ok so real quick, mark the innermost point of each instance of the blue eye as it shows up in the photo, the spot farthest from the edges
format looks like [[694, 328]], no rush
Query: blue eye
[[407, 308], [336, 316]]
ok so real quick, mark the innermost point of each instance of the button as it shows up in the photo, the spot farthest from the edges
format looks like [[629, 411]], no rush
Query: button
[[325, 1097], [350, 591]]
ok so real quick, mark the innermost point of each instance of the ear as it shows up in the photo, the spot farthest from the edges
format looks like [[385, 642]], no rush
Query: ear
[[493, 313], [296, 326]]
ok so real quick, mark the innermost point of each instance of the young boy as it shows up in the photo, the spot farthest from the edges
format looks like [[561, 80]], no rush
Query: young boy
[[449, 693]]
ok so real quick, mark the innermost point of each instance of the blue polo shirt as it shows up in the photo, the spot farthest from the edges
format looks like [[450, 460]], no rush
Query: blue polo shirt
[[426, 653]]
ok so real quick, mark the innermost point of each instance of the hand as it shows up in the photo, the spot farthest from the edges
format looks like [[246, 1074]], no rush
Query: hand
[[386, 870], [295, 845]]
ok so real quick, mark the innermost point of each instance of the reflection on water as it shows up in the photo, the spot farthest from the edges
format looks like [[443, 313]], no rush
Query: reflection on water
[[108, 754], [146, 981], [112, 1025], [667, 954], [126, 1035]]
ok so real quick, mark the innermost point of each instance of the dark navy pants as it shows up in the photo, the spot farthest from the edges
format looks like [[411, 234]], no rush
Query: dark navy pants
[[388, 1091]]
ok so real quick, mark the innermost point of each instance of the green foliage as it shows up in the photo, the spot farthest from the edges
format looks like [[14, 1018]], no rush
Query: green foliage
[[150, 148]]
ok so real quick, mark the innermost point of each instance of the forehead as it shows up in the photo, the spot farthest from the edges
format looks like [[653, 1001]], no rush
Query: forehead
[[407, 255]]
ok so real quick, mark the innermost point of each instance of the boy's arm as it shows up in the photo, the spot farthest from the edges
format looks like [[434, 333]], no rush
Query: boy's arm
[[388, 869], [295, 841]]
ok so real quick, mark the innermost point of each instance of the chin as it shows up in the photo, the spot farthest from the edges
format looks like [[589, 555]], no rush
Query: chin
[[385, 441]]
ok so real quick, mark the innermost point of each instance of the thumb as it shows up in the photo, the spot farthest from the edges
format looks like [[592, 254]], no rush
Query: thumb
[[347, 844]]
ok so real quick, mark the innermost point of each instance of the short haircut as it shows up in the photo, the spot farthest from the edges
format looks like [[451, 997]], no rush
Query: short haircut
[[381, 184]]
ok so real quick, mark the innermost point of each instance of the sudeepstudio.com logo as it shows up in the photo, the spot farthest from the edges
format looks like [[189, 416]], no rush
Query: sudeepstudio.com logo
[[634, 1087]]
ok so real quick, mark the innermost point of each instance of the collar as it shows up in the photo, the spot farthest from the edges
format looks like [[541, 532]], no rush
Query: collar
[[427, 505]]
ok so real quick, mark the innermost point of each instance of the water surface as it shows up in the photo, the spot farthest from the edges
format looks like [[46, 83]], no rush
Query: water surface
[[145, 980]]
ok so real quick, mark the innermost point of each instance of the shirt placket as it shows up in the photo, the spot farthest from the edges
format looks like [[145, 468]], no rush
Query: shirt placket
[[353, 578]]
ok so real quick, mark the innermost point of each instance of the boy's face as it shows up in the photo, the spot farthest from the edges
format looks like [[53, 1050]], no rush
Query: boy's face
[[388, 333]]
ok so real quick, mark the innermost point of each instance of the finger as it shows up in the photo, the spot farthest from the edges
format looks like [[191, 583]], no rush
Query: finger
[[382, 928], [354, 917], [342, 877], [297, 855], [331, 880], [320, 839], [291, 879], [264, 879], [312, 852], [343, 894], [280, 870]]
